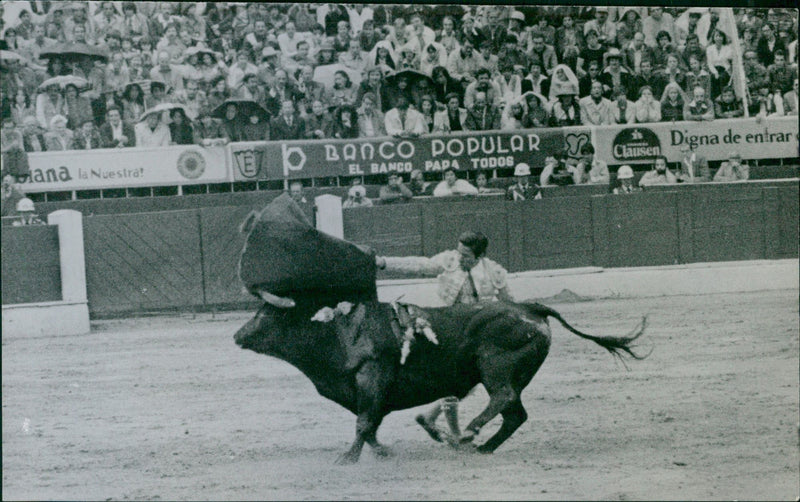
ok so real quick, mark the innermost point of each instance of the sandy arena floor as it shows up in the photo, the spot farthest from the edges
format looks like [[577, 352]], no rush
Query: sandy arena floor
[[170, 408]]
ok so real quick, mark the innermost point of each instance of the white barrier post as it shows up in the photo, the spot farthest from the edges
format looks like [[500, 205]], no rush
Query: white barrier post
[[329, 215], [73, 266]]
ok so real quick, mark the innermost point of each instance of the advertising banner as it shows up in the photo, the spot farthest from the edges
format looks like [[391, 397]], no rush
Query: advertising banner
[[250, 160], [126, 167], [461, 151], [772, 138]]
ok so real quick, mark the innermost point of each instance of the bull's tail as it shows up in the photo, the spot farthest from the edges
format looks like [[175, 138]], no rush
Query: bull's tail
[[613, 344]]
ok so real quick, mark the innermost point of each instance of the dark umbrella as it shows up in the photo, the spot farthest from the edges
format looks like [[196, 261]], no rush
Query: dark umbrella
[[74, 51], [245, 108], [413, 77]]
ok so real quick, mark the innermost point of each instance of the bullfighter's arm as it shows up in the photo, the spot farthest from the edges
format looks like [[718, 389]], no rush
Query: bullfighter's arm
[[418, 265]]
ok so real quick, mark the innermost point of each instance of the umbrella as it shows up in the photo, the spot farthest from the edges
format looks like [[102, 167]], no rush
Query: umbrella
[[74, 51], [324, 74], [246, 108], [161, 108], [200, 51], [10, 56], [63, 81], [413, 77]]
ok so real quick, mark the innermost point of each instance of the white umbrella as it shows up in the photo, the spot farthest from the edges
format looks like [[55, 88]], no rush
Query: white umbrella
[[62, 81], [161, 108]]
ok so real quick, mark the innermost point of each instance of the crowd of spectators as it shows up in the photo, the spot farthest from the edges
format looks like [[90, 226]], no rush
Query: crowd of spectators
[[236, 71]]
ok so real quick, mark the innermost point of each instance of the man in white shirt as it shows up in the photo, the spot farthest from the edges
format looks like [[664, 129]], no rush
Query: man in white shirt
[[595, 109], [152, 132], [657, 21], [451, 185], [404, 122]]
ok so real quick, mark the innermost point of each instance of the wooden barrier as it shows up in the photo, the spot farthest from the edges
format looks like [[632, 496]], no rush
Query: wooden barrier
[[31, 270]]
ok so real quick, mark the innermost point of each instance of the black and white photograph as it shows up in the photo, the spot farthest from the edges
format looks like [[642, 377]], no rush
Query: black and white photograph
[[421, 251]]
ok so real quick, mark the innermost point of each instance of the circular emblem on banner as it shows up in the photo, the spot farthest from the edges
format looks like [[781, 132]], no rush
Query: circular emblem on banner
[[191, 164], [636, 144]]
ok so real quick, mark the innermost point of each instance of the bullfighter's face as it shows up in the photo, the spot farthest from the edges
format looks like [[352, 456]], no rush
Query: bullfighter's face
[[467, 257]]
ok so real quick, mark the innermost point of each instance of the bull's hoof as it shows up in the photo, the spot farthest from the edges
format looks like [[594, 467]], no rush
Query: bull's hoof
[[348, 458], [484, 449], [431, 429], [382, 451]]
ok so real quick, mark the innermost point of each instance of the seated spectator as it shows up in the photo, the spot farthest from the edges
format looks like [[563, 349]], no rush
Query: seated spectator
[[319, 122], [699, 107], [21, 107], [482, 184], [14, 157], [343, 92], [444, 85], [369, 36], [768, 45], [535, 81], [625, 181], [482, 116], [10, 195], [693, 48], [629, 25], [603, 26], [790, 100], [646, 77], [764, 103], [27, 214], [593, 51], [569, 39], [557, 172], [451, 185], [427, 108], [733, 169], [668, 75], [585, 82], [452, 118], [484, 84], [696, 76], [663, 50], [566, 111], [755, 74], [373, 83], [78, 108], [354, 58], [395, 190], [469, 33], [434, 55], [49, 104], [357, 197], [672, 103], [345, 123], [169, 74], [780, 74], [180, 128], [648, 109], [32, 136], [58, 137], [544, 54], [132, 103], [152, 132], [463, 63], [624, 110], [87, 137], [158, 95], [563, 80], [382, 56], [523, 189], [237, 71], [418, 185], [595, 109], [208, 131], [448, 36], [404, 122], [513, 113], [659, 175], [233, 123], [693, 167], [656, 22], [287, 125], [727, 106], [590, 169], [371, 122]]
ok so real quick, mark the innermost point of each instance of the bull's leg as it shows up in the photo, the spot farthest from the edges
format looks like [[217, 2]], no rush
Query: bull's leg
[[379, 449], [499, 399], [513, 416], [371, 386]]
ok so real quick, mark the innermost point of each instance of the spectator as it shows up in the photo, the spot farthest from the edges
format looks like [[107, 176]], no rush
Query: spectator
[[287, 125], [253, 90], [132, 25], [208, 131], [152, 132], [434, 56], [369, 36], [624, 110], [590, 169], [603, 26], [781, 75], [427, 108], [523, 189], [87, 137], [308, 90], [180, 128], [646, 77], [319, 122], [357, 197], [719, 58], [27, 213], [257, 39], [566, 111], [697, 76], [14, 158], [116, 73], [648, 109], [535, 81], [790, 100], [595, 109], [218, 94], [659, 175], [78, 108], [569, 38], [625, 181], [238, 71], [585, 82], [557, 172], [543, 53], [167, 73], [395, 191], [371, 122], [115, 133], [345, 123], [692, 48], [233, 123], [448, 36], [727, 105], [630, 23], [482, 184], [767, 45], [341, 41], [593, 51], [669, 74], [733, 170], [563, 81], [452, 118], [512, 116], [535, 111], [158, 95], [672, 103], [38, 43], [700, 107], [343, 92], [464, 63], [663, 49], [10, 195], [655, 23], [48, 105], [765, 103], [469, 33], [482, 116], [404, 122], [444, 85], [382, 56], [755, 74], [32, 136], [451, 185], [693, 168], [171, 44], [418, 185], [21, 107], [354, 58], [58, 137]]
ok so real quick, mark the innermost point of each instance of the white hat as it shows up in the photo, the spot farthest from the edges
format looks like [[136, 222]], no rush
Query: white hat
[[357, 190], [25, 204], [601, 8], [624, 172], [519, 16], [269, 51], [522, 169]]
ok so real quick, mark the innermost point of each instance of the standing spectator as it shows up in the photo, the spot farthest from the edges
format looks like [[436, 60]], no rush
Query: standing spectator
[[700, 107], [32, 136], [790, 100], [357, 197], [10, 195], [482, 116], [624, 110], [523, 189], [733, 169], [656, 22], [672, 103], [345, 123], [452, 118], [58, 137], [180, 128], [371, 122], [590, 169], [87, 137], [659, 175], [535, 111], [727, 106], [648, 109], [287, 125], [115, 133], [603, 26], [395, 191], [404, 122], [319, 122], [595, 109], [49, 104], [625, 181], [767, 45], [451, 185], [693, 168], [152, 132], [566, 111]]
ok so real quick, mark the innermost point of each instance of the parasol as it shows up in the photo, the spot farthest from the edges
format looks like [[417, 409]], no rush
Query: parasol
[[324, 74], [62, 81], [161, 108], [245, 107], [10, 56], [413, 77], [70, 51]]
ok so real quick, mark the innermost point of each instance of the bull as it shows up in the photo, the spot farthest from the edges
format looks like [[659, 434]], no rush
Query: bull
[[354, 359]]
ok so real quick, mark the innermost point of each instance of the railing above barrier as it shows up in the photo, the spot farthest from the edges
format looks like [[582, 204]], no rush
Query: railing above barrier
[[272, 161]]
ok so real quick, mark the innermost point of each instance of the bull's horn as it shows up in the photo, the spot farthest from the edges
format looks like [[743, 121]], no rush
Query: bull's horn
[[277, 301]]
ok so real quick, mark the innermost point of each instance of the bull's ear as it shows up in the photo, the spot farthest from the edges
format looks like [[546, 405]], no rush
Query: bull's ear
[[248, 222]]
